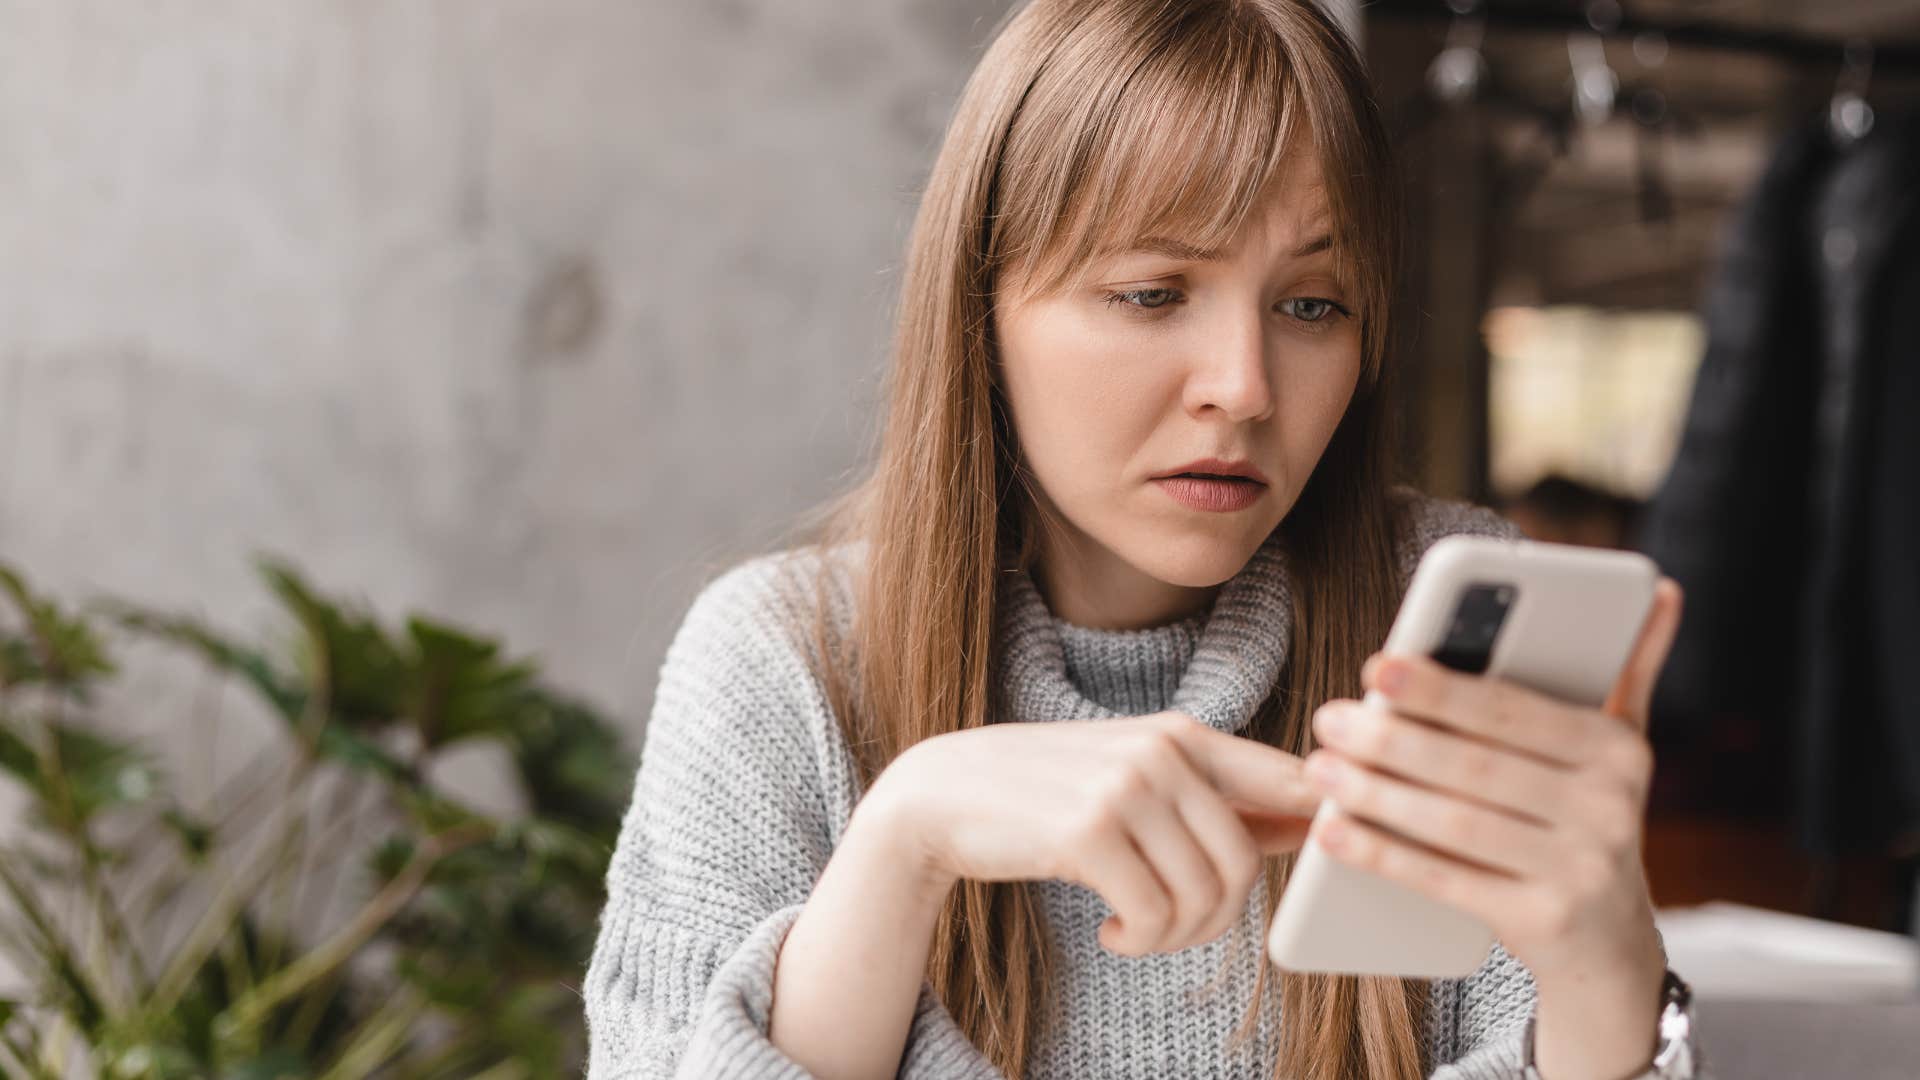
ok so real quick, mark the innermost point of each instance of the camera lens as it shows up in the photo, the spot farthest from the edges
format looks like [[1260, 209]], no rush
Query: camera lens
[[1476, 622]]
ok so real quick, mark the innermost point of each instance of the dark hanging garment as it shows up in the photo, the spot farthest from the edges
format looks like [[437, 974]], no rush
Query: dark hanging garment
[[1728, 521], [1859, 716], [1791, 515]]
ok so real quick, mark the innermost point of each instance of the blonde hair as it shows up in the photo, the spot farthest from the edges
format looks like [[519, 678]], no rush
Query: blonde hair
[[1088, 124]]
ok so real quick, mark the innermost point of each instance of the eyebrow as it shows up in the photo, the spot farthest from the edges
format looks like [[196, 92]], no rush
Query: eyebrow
[[1175, 249]]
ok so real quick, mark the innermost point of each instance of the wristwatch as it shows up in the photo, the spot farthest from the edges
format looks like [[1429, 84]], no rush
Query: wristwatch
[[1677, 1057]]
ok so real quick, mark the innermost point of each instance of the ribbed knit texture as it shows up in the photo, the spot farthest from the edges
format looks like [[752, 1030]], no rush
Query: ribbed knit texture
[[745, 785]]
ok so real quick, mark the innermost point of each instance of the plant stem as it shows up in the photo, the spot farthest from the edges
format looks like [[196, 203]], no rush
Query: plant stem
[[233, 897], [28, 1066], [53, 943], [299, 1030], [377, 1037], [108, 914], [388, 901], [509, 1069]]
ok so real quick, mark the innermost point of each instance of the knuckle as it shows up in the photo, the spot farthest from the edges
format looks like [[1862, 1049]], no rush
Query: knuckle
[[1122, 785], [1098, 821], [1155, 743]]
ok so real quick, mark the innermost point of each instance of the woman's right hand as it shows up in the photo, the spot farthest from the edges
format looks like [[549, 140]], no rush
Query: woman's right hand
[[1166, 818]]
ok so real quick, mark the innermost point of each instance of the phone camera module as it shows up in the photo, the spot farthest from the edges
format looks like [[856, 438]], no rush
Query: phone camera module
[[1476, 622]]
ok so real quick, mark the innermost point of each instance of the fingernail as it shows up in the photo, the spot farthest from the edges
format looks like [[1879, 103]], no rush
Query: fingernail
[[1334, 720], [1393, 677]]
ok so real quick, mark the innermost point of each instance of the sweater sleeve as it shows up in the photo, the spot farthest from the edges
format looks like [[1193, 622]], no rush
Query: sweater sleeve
[[740, 796], [1488, 1019]]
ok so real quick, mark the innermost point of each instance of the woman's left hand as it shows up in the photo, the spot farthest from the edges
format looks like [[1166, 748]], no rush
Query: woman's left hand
[[1531, 809]]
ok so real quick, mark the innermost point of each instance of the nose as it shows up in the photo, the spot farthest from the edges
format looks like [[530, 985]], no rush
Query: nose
[[1229, 371]]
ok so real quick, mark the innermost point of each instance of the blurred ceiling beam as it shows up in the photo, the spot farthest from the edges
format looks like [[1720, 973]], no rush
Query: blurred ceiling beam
[[1895, 45]]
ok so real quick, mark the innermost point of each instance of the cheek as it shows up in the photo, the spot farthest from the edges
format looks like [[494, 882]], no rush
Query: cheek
[[1315, 392], [1082, 399]]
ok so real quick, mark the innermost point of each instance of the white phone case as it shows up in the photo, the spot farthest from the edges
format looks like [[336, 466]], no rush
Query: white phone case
[[1572, 623]]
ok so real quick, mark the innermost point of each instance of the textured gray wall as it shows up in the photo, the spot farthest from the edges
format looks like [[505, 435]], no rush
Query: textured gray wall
[[518, 312]]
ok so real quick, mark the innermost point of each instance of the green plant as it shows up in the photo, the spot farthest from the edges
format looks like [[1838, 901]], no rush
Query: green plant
[[463, 956]]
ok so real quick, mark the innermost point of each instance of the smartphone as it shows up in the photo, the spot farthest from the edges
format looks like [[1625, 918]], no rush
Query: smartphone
[[1556, 618]]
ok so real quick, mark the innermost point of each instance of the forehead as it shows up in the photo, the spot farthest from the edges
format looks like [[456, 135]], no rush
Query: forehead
[[1290, 212]]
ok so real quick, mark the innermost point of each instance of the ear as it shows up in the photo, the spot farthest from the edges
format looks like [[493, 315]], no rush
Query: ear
[[1632, 695]]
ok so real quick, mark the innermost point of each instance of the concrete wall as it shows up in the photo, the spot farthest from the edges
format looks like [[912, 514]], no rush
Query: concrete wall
[[511, 310], [525, 313]]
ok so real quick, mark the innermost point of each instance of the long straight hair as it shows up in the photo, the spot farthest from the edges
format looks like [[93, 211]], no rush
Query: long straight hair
[[1086, 125]]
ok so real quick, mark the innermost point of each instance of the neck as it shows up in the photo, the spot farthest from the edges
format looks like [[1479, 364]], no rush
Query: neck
[[1089, 586]]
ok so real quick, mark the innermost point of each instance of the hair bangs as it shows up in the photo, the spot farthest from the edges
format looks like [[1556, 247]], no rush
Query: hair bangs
[[1185, 147]]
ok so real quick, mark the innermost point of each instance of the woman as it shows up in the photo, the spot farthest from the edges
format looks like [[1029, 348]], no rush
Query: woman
[[1000, 774]]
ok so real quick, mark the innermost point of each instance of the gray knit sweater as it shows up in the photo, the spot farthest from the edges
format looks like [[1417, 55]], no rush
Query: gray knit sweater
[[745, 786]]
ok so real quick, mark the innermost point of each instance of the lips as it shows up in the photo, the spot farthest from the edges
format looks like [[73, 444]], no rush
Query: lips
[[1212, 494], [1216, 469]]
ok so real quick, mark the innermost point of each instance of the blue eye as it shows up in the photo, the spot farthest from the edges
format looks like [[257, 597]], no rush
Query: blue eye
[[1132, 298], [1326, 308]]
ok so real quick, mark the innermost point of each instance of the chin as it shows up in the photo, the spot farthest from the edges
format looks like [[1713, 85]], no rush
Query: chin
[[1195, 561]]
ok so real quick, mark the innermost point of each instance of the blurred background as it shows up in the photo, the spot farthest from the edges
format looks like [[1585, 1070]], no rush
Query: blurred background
[[379, 382]]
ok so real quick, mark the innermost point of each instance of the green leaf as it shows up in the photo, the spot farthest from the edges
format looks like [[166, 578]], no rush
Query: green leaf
[[278, 1063], [59, 650], [359, 752], [461, 687], [283, 693], [249, 665], [91, 772], [344, 654], [17, 663], [103, 772], [18, 758], [572, 763]]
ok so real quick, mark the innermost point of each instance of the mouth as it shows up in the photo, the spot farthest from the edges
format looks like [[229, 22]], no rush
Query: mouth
[[1219, 470], [1213, 476]]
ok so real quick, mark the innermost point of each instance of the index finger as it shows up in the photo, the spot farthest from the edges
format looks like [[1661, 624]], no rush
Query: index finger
[[1246, 770]]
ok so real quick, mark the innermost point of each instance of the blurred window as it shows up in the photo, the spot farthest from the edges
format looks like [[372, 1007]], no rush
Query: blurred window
[[1594, 395]]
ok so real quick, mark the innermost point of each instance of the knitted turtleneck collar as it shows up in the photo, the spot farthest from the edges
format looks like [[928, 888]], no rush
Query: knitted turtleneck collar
[[1217, 667]]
